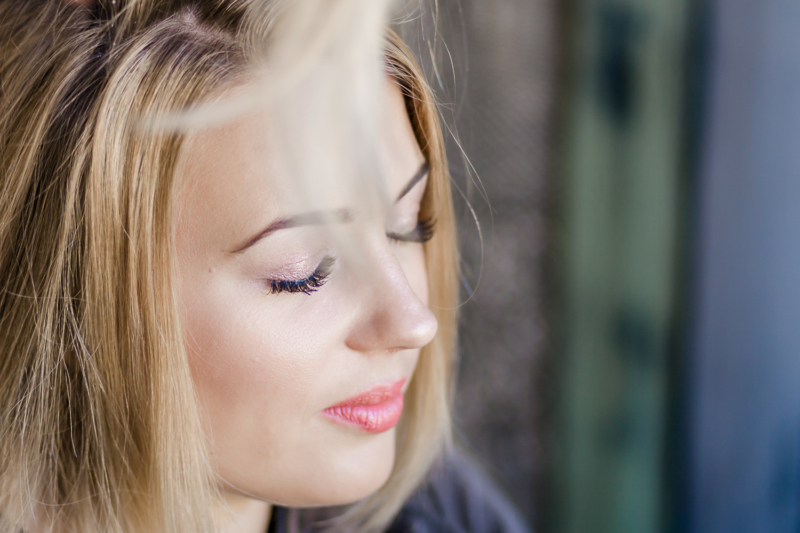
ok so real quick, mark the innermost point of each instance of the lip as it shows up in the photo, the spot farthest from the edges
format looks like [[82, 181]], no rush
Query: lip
[[375, 410]]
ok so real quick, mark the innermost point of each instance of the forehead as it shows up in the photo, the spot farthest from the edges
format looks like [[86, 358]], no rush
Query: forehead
[[235, 177]]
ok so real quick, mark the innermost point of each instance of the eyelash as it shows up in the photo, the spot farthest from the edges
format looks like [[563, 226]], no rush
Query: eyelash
[[421, 234], [308, 285]]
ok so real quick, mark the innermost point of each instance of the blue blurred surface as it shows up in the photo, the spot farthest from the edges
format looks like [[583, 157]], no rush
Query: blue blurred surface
[[744, 430]]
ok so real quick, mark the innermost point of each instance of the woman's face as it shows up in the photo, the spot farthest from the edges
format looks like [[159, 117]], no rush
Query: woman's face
[[299, 354]]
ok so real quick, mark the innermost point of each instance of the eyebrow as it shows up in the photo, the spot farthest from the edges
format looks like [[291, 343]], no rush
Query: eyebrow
[[304, 219], [318, 217]]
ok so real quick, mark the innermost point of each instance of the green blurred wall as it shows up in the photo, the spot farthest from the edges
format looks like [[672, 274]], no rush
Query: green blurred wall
[[620, 213]]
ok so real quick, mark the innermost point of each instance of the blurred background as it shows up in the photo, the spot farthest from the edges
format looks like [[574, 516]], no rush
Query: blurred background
[[630, 337]]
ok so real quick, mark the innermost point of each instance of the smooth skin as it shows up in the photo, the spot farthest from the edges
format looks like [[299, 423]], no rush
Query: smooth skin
[[266, 365]]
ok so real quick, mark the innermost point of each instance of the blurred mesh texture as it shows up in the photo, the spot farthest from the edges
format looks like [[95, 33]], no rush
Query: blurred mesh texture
[[496, 79]]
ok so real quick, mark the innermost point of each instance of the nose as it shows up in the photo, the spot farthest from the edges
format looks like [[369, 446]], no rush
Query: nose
[[392, 316]]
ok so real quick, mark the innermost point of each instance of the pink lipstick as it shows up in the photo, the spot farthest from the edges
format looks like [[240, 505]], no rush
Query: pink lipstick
[[374, 411]]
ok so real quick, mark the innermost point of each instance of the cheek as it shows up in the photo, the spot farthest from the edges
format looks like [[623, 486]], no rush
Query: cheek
[[251, 364], [256, 375], [238, 346], [265, 366]]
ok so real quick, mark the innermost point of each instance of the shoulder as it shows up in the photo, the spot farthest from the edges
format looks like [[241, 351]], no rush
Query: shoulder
[[457, 498]]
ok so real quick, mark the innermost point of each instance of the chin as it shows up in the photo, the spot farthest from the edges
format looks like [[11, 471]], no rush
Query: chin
[[344, 476]]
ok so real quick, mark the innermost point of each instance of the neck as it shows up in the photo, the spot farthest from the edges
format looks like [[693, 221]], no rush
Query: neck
[[243, 514]]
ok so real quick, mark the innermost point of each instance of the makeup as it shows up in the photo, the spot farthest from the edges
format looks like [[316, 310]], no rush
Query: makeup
[[374, 411], [307, 285]]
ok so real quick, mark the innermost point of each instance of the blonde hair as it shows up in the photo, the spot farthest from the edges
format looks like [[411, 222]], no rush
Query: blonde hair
[[99, 427]]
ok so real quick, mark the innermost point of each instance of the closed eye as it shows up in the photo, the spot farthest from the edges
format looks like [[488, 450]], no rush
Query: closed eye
[[422, 233], [307, 285]]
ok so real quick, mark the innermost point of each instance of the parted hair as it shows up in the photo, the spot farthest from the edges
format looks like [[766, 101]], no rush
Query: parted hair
[[99, 425]]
